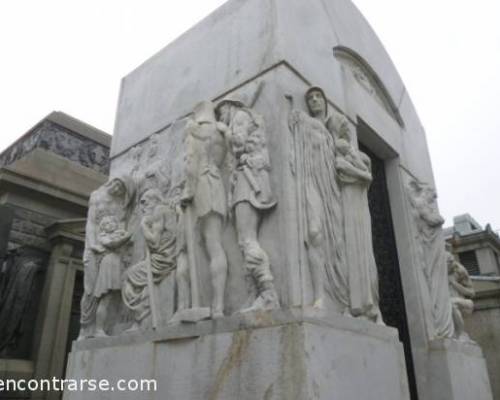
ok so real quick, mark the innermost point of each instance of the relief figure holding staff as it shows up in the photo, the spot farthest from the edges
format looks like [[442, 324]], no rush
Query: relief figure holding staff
[[250, 195]]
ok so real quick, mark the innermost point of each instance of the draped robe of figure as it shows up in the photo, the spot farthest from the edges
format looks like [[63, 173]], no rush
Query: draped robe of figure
[[432, 256], [101, 204], [313, 163], [161, 258], [355, 177]]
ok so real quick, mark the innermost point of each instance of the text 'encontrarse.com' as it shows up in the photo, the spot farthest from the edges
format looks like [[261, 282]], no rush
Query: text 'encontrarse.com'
[[78, 385]]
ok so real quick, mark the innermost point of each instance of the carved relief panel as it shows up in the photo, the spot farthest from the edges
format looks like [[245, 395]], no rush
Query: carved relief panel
[[180, 233]]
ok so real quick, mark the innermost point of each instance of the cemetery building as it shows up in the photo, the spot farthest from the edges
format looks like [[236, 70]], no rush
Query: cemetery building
[[263, 225], [478, 249], [270, 228], [46, 178]]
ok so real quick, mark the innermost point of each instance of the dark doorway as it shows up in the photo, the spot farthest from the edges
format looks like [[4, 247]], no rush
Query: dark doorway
[[392, 302]]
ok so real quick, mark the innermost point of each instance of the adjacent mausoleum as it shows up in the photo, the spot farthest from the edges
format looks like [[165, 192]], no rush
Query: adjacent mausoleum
[[478, 249], [46, 178]]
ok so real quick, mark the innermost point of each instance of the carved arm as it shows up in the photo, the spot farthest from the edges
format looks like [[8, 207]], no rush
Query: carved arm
[[350, 170]]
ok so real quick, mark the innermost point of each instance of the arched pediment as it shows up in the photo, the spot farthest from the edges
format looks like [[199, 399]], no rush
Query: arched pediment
[[368, 79]]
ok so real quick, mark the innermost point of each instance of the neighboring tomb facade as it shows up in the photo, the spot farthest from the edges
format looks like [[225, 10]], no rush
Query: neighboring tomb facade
[[46, 178], [478, 249]]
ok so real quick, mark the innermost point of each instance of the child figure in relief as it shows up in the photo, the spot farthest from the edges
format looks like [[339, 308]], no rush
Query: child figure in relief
[[354, 174], [110, 238]]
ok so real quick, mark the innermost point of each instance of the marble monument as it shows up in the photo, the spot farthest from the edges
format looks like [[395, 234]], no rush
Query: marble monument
[[231, 253]]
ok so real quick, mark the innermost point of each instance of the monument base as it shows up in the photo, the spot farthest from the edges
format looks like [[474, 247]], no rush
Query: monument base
[[458, 371], [283, 354]]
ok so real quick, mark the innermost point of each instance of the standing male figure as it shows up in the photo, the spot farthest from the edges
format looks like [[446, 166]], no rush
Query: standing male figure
[[205, 193], [251, 195]]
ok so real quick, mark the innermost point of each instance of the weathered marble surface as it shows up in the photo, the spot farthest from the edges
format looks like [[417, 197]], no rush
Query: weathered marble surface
[[457, 371], [293, 354], [167, 103], [220, 179]]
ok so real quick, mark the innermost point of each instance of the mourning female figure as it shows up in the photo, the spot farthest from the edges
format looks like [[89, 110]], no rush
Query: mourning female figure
[[110, 202], [110, 238], [431, 255], [320, 212], [354, 175]]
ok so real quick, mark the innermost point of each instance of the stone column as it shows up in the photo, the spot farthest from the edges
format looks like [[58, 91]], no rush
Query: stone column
[[54, 317]]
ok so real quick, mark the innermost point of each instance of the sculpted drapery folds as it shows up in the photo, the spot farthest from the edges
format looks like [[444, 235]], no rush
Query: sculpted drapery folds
[[431, 253], [250, 195], [354, 175], [110, 238], [112, 201], [158, 225], [319, 198]]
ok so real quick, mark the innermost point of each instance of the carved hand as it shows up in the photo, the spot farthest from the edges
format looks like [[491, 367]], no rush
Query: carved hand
[[98, 249]]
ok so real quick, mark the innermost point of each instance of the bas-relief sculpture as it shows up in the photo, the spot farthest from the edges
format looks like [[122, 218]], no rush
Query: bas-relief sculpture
[[226, 180], [204, 196], [461, 292], [158, 225], [110, 238], [446, 281], [319, 198], [111, 202], [354, 174], [333, 177], [251, 195]]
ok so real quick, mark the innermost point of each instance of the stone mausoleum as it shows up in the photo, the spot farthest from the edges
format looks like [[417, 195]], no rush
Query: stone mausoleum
[[46, 178], [269, 228]]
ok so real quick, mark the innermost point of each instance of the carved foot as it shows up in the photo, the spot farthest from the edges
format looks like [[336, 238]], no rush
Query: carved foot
[[266, 301], [464, 337], [347, 313], [100, 333], [319, 304], [134, 328], [83, 337], [190, 315], [217, 314], [376, 317]]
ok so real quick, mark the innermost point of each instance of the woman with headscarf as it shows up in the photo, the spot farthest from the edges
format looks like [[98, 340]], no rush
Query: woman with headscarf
[[432, 255], [354, 175], [113, 199], [319, 197]]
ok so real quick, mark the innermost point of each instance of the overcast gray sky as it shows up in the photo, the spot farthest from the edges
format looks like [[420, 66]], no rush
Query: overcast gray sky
[[70, 55]]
